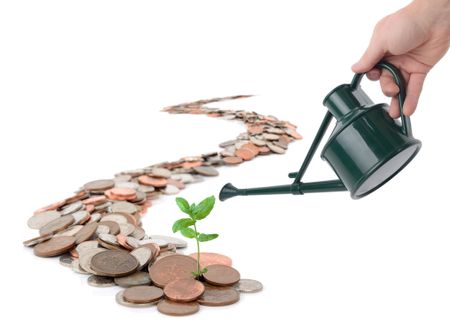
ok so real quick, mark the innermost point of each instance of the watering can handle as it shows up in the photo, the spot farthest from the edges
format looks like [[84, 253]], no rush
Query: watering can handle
[[398, 78]]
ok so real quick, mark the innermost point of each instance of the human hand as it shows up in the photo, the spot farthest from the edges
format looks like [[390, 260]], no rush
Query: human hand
[[414, 39]]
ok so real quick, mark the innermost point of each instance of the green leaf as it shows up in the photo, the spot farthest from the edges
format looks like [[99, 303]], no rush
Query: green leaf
[[204, 270], [203, 209], [207, 237], [182, 223], [188, 232], [183, 205]]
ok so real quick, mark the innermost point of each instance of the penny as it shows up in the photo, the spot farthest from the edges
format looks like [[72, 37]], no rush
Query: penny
[[55, 246], [177, 309], [142, 294], [143, 255], [86, 232], [207, 259], [114, 263], [86, 257], [51, 207], [184, 290], [96, 200], [179, 243], [77, 197], [57, 225], [120, 300], [135, 279], [99, 185], [154, 182], [172, 268], [245, 154], [219, 296], [248, 286], [221, 275], [264, 150], [232, 160], [72, 208], [114, 228], [37, 240], [250, 146], [99, 281], [121, 193], [66, 260], [206, 171], [39, 220]]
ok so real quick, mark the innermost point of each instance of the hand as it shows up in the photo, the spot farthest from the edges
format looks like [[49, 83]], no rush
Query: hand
[[414, 39]]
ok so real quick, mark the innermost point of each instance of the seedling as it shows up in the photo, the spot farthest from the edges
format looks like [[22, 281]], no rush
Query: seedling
[[196, 213]]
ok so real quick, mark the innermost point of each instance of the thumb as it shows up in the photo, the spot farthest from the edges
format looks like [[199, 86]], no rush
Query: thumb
[[371, 57]]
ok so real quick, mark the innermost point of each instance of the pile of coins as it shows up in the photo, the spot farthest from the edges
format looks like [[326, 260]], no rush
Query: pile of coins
[[98, 230]]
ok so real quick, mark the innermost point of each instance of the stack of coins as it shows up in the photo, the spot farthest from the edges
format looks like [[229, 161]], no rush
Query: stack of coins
[[98, 230]]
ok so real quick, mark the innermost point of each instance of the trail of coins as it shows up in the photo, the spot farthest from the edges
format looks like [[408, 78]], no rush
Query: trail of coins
[[98, 230]]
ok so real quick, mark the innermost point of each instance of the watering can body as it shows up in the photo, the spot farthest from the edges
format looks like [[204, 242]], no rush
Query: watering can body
[[366, 148]]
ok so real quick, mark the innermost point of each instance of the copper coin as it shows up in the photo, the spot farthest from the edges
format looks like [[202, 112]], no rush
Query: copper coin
[[50, 207], [57, 225], [114, 263], [232, 160], [191, 164], [154, 182], [55, 246], [255, 129], [184, 290], [207, 259], [96, 200], [218, 296], [86, 232], [124, 192], [294, 134], [177, 309], [250, 146], [264, 150], [245, 154], [142, 294], [75, 198], [221, 275], [99, 185], [171, 268]]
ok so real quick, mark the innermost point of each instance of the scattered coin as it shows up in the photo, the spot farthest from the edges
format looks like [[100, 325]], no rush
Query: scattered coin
[[72, 208], [232, 160], [142, 294], [207, 259], [39, 220], [66, 260], [177, 309], [76, 267], [37, 240], [114, 263], [54, 246], [99, 281], [171, 268], [86, 232], [184, 290], [218, 296], [121, 301], [57, 225], [248, 286], [143, 255], [179, 243], [114, 228], [99, 185], [70, 231], [206, 171], [135, 279], [221, 275], [86, 257]]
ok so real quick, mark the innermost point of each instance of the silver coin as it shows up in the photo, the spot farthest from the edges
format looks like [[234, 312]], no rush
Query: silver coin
[[179, 243], [95, 217], [122, 178], [161, 172], [71, 231], [123, 206], [85, 245], [41, 219], [248, 286], [121, 301], [171, 190], [126, 229], [72, 208], [80, 216], [160, 242], [258, 142], [275, 130], [228, 152], [37, 240], [99, 281], [183, 177], [226, 144], [146, 189], [66, 260], [101, 229], [271, 136], [275, 149], [208, 171], [108, 238], [135, 279], [138, 233], [143, 255], [85, 259], [133, 242], [127, 184], [102, 206], [76, 267], [116, 217]]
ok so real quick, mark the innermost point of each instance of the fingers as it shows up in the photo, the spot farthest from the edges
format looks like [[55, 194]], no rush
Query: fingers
[[413, 90], [394, 108], [374, 53], [389, 87], [374, 74]]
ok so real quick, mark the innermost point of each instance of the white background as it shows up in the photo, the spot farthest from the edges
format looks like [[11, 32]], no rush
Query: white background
[[81, 86]]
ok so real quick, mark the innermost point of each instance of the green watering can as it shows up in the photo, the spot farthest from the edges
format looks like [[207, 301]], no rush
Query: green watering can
[[366, 149]]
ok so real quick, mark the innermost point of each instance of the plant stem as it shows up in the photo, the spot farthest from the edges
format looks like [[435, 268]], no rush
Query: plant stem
[[198, 252]]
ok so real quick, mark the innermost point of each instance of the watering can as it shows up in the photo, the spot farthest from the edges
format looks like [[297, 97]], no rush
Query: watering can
[[366, 149]]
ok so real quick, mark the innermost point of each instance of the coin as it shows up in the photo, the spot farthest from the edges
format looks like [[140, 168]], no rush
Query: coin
[[154, 182], [114, 228], [179, 243], [245, 154], [70, 231], [119, 218], [86, 257], [99, 281], [171, 190], [54, 246], [108, 238], [184, 290], [206, 171], [142, 294], [95, 200], [39, 220], [135, 279], [276, 149], [57, 225], [248, 286], [120, 300], [86, 232], [121, 194], [221, 275], [37, 240], [218, 296], [124, 206], [143, 255], [177, 309], [126, 228], [114, 263], [76, 267], [81, 216], [66, 260], [160, 172], [72, 208], [86, 245], [171, 268], [232, 160], [207, 259], [99, 185]]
